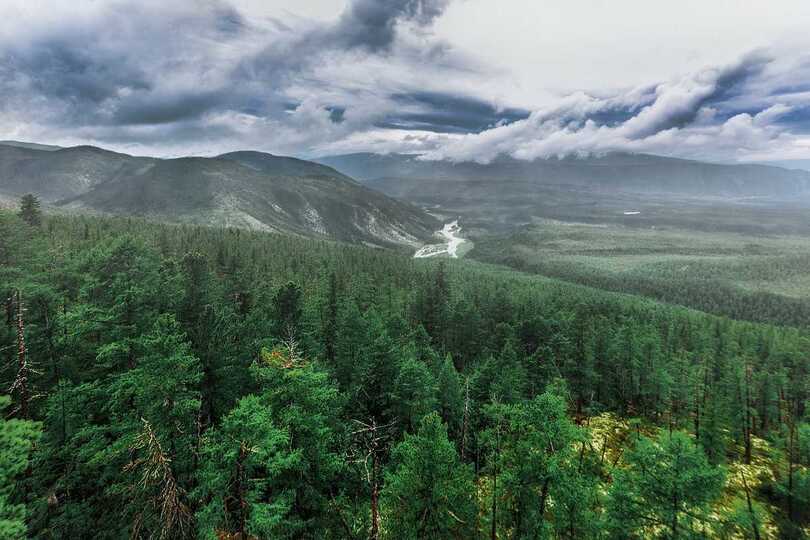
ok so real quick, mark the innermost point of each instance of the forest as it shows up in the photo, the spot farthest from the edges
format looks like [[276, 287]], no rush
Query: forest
[[170, 381], [755, 276]]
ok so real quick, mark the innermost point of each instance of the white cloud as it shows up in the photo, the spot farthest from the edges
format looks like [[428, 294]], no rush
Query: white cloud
[[199, 76]]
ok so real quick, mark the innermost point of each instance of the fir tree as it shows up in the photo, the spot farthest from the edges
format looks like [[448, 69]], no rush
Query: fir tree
[[30, 211], [429, 494]]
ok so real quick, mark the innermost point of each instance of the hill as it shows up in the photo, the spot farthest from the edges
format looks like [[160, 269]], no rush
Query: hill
[[241, 189]]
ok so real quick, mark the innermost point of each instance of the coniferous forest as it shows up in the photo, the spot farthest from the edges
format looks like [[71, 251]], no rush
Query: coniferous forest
[[169, 381]]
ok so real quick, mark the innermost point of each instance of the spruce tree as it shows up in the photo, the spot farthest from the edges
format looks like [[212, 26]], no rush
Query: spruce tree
[[429, 494], [240, 476], [30, 211]]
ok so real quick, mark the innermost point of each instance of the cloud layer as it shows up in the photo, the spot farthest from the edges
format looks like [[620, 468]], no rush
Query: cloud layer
[[202, 77], [743, 111]]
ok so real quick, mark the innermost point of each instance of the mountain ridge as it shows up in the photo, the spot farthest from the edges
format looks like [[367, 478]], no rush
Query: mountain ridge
[[649, 173], [242, 189]]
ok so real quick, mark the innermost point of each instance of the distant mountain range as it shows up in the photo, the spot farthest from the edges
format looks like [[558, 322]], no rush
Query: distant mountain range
[[322, 198], [407, 176], [634, 189], [241, 189]]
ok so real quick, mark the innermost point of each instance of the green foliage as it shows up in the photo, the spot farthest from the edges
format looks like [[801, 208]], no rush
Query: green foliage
[[16, 440], [665, 491], [428, 493], [301, 400], [754, 272], [242, 464], [166, 373], [413, 394], [531, 458], [30, 211], [450, 395]]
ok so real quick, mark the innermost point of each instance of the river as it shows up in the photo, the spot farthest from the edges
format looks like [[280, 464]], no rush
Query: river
[[450, 233]]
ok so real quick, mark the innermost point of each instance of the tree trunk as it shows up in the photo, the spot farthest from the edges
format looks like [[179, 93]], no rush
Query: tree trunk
[[747, 430], [240, 490], [466, 419], [20, 385], [754, 523], [544, 497], [494, 531], [374, 534], [792, 430]]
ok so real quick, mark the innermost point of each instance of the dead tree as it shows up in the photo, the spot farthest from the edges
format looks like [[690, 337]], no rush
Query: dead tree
[[164, 495], [371, 442], [19, 387]]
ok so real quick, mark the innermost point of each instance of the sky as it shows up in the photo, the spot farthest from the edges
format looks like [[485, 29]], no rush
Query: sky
[[462, 80]]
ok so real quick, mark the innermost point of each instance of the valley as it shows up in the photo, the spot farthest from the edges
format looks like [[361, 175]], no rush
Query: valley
[[636, 323], [404, 270]]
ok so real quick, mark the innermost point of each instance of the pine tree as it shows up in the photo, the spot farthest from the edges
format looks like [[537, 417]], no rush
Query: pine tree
[[531, 447], [413, 394], [243, 461], [665, 490], [429, 494], [303, 401], [30, 211], [450, 396], [287, 310]]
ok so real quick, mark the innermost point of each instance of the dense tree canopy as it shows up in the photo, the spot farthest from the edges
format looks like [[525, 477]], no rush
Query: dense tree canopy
[[179, 382]]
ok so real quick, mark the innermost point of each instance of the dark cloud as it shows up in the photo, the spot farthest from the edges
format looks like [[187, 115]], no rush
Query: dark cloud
[[196, 75], [63, 68], [148, 109], [364, 27], [797, 119], [446, 113], [125, 66], [371, 24], [336, 114]]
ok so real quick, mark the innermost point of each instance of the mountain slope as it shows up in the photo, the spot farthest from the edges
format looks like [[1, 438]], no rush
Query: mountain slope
[[31, 146], [59, 174], [282, 165], [243, 189]]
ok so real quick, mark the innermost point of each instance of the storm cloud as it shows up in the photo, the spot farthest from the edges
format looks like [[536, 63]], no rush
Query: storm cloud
[[204, 77], [139, 71]]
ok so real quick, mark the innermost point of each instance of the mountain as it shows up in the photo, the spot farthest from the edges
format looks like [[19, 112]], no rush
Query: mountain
[[31, 146], [638, 173], [63, 173], [283, 165], [241, 189], [637, 189], [801, 164]]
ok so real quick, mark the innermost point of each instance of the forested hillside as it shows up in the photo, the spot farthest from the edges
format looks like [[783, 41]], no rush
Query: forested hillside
[[172, 381]]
